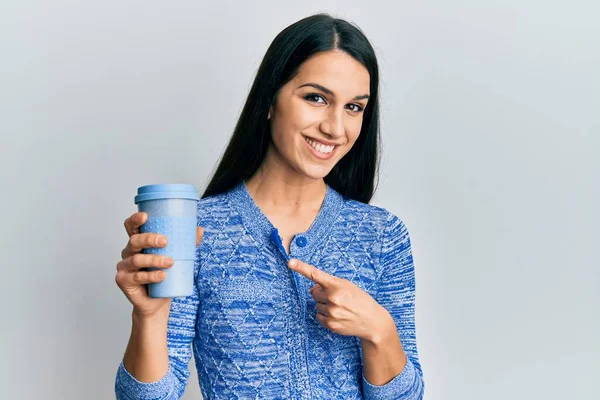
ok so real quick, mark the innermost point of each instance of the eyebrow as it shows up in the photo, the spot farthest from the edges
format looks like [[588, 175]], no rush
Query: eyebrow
[[329, 92]]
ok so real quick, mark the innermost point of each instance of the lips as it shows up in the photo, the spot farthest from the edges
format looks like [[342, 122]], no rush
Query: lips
[[319, 150]]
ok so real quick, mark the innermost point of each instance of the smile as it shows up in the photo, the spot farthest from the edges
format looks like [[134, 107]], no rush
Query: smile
[[318, 147]]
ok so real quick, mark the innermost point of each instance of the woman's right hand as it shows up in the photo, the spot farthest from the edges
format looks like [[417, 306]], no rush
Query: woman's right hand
[[131, 278]]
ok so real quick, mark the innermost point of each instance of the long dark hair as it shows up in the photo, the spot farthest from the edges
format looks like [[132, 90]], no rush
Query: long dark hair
[[355, 175]]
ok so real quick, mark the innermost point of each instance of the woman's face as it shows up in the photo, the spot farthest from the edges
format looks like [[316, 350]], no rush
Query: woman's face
[[318, 114]]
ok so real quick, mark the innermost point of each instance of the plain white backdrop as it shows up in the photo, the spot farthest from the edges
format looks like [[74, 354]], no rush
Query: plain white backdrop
[[491, 128]]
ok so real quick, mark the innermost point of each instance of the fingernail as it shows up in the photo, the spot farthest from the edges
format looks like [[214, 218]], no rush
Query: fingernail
[[292, 263], [161, 241]]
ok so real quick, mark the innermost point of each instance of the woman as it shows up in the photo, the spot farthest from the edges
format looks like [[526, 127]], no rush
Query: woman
[[303, 290]]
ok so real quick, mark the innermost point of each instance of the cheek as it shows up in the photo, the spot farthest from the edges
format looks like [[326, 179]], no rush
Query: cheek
[[301, 117], [280, 132], [288, 124]]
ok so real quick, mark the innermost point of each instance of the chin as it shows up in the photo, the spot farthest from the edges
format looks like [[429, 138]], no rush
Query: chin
[[315, 172]]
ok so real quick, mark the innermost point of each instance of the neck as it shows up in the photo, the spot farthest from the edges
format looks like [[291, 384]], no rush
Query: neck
[[282, 189]]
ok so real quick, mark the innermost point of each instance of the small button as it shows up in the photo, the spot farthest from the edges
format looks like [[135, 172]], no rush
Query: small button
[[301, 241]]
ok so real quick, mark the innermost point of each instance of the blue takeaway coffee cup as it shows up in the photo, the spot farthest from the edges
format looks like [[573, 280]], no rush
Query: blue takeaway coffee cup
[[171, 210]]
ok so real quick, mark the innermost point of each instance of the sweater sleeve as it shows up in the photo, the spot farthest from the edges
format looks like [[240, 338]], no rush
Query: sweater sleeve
[[396, 293], [180, 334]]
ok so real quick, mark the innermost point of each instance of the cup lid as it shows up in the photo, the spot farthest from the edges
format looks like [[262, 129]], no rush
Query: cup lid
[[167, 191]]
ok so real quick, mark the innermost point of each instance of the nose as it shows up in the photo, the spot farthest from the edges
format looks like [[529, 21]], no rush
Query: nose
[[333, 123]]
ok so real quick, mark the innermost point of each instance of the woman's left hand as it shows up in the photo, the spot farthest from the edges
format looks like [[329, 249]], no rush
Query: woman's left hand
[[343, 307]]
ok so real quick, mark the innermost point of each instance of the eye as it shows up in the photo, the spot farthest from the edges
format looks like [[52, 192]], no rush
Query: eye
[[356, 109], [312, 96]]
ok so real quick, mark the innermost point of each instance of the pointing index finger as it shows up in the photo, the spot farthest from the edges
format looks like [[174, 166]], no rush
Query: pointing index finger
[[312, 273]]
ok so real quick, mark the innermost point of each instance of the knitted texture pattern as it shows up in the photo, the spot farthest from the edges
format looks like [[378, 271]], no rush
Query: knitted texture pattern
[[251, 321]]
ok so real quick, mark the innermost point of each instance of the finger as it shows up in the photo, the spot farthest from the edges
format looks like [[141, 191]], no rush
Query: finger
[[312, 273], [140, 241], [323, 309], [144, 277], [319, 295], [199, 235], [133, 223], [324, 320], [312, 289], [139, 261]]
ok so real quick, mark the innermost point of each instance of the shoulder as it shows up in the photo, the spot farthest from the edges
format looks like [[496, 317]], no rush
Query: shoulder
[[214, 201], [213, 205], [379, 218], [214, 212]]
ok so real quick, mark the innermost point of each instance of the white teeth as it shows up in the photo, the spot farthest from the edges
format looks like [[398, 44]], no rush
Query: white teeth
[[321, 148]]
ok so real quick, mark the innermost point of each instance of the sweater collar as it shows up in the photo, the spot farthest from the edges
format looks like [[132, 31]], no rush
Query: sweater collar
[[303, 244]]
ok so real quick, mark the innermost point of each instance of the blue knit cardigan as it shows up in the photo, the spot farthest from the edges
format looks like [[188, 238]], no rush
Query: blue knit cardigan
[[251, 321]]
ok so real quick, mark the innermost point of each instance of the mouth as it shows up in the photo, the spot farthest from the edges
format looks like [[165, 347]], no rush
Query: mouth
[[321, 151]]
